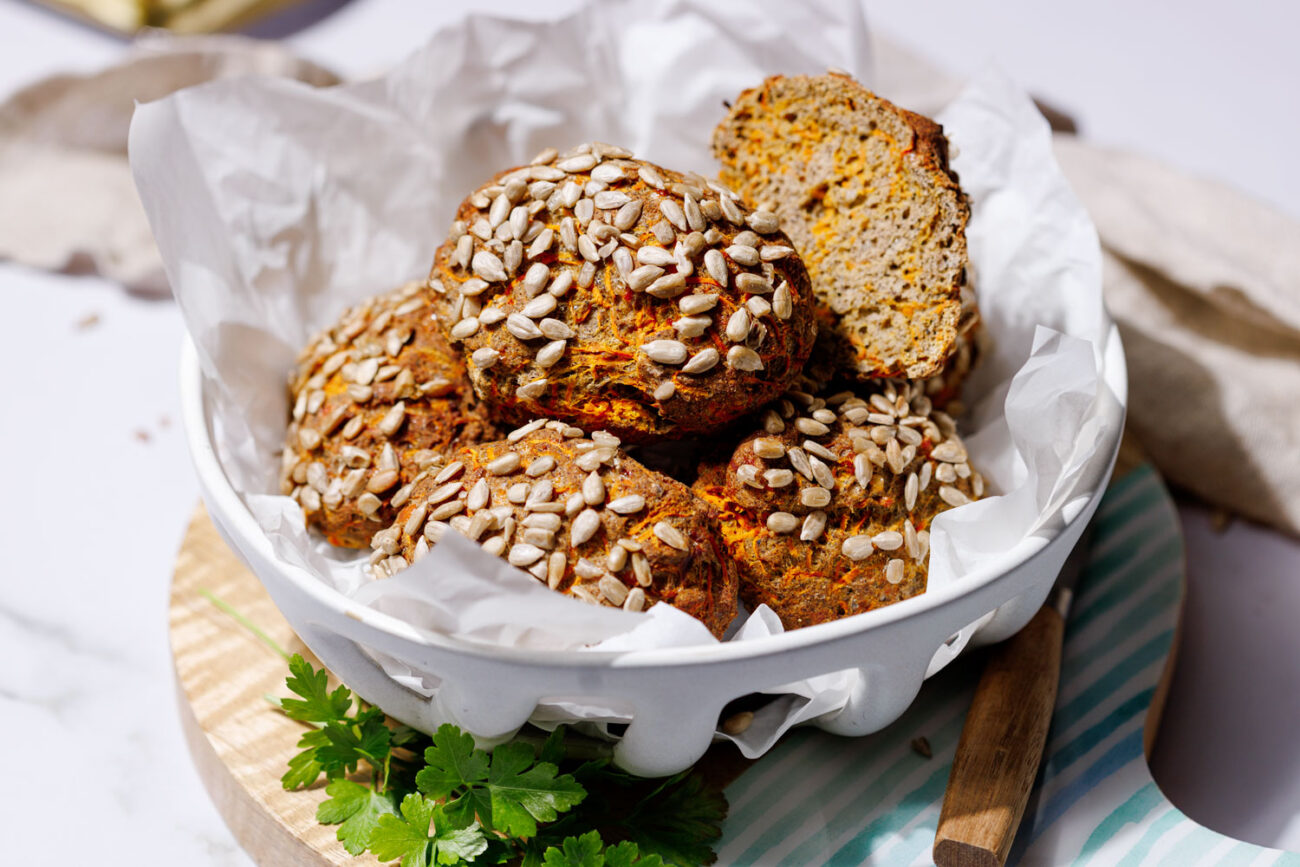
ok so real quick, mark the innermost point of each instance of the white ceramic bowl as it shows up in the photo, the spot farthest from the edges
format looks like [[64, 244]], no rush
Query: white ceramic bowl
[[674, 696]]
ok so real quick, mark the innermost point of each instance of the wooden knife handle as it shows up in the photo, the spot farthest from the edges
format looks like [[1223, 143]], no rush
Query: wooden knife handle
[[1001, 746]]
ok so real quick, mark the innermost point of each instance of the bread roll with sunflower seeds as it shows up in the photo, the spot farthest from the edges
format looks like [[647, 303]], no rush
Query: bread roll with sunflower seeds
[[827, 510], [576, 513], [376, 397], [614, 294], [865, 191]]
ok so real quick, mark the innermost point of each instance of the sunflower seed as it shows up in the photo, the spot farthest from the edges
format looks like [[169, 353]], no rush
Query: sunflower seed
[[811, 427], [642, 277], [540, 495], [671, 536], [446, 510], [393, 419], [504, 465], [499, 210], [616, 558], [551, 353], [888, 540], [857, 547], [665, 351], [815, 498], [664, 232], [923, 544], [524, 554], [694, 216], [673, 213], [702, 361], [382, 481], [952, 496], [667, 286], [799, 460], [665, 390], [753, 284], [540, 306], [523, 327], [607, 173], [772, 252], [894, 571], [731, 211], [611, 199], [627, 215], [911, 543], [695, 304], [451, 471], [587, 569], [650, 255], [487, 266], [822, 473], [738, 325], [519, 222], [768, 448], [691, 326], [716, 265], [580, 163], [949, 451], [539, 536], [743, 255], [628, 504], [763, 222], [651, 176], [825, 416], [748, 475], [635, 600], [641, 569], [368, 503], [813, 526], [744, 358], [444, 492], [544, 156], [554, 329], [910, 490], [593, 489], [478, 495], [464, 328], [613, 589], [782, 522]]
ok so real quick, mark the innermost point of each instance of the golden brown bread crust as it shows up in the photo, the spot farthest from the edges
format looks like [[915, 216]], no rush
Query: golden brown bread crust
[[827, 510], [641, 537], [349, 450], [864, 190], [613, 296]]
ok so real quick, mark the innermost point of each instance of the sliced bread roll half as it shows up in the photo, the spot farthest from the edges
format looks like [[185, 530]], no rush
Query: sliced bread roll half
[[864, 191]]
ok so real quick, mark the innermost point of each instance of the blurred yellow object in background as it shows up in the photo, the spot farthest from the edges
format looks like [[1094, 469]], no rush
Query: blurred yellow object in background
[[179, 16]]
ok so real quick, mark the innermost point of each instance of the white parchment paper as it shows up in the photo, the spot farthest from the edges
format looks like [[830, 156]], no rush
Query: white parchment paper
[[275, 205]]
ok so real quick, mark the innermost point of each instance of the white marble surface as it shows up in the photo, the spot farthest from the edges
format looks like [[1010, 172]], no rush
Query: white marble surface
[[99, 487]]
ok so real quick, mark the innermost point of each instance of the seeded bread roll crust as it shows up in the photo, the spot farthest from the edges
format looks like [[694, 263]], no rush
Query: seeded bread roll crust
[[613, 294], [375, 398], [579, 515], [864, 190], [826, 511]]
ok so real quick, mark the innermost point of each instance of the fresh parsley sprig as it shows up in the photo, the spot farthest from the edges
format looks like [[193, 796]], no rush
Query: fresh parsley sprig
[[520, 804]]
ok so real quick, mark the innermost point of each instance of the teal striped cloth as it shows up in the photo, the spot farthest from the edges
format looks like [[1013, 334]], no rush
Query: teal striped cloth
[[819, 799]]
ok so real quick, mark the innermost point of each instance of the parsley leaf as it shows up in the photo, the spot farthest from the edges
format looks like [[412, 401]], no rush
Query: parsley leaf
[[317, 704], [304, 767], [356, 809], [509, 792], [678, 821], [452, 764], [421, 836], [588, 850]]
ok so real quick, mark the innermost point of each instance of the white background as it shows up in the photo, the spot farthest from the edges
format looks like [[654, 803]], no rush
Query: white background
[[97, 487]]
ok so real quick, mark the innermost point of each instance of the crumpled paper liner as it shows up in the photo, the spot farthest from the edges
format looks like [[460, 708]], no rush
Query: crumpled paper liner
[[67, 198], [275, 205]]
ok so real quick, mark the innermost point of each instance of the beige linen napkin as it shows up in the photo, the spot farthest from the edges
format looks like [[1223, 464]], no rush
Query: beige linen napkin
[[1204, 282], [67, 200]]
